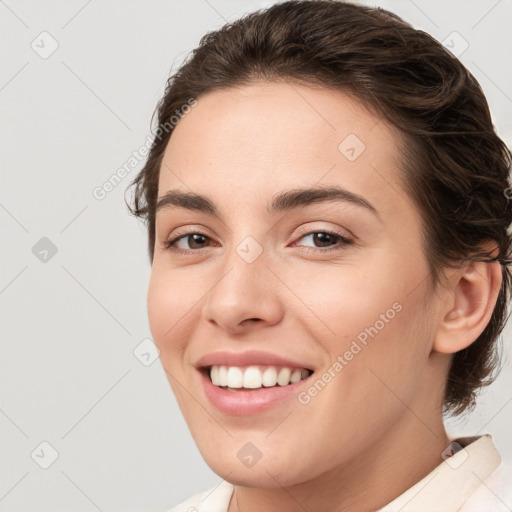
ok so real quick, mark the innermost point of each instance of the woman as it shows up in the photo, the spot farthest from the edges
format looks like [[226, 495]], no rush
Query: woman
[[327, 218]]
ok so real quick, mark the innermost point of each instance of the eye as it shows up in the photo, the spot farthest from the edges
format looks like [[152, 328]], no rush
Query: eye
[[326, 237], [192, 237], [196, 241]]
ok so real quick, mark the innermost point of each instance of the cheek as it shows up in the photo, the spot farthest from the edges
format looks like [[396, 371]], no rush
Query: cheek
[[373, 318], [169, 312], [168, 304], [339, 302], [159, 302]]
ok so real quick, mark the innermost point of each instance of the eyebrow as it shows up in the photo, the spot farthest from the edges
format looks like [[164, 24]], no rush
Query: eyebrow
[[284, 201]]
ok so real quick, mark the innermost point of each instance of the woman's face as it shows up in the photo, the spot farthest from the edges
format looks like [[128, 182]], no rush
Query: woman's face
[[338, 286]]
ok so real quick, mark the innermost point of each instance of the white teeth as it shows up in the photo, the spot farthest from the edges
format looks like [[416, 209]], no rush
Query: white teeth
[[270, 377], [297, 375], [235, 377], [214, 375], [284, 376], [252, 377], [223, 375]]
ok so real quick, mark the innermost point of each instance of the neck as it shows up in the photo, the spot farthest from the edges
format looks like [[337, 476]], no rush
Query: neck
[[396, 461]]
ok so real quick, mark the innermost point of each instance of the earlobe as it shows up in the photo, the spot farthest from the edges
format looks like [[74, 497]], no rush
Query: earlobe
[[471, 299]]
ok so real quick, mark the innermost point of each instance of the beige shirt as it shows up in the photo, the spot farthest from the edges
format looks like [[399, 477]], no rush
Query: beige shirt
[[470, 479]]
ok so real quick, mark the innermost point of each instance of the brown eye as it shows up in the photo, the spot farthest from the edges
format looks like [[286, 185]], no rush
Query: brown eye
[[329, 240], [194, 241]]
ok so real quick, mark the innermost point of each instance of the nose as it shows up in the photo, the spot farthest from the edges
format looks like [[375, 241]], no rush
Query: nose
[[245, 296]]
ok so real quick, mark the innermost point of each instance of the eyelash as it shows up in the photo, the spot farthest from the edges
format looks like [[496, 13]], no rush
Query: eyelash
[[169, 244]]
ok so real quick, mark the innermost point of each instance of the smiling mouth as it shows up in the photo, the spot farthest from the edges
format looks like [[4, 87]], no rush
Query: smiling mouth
[[254, 377]]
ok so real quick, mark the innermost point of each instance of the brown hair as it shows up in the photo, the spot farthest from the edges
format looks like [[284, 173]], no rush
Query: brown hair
[[453, 164]]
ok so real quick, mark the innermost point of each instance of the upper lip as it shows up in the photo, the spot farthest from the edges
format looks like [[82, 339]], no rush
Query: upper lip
[[248, 358]]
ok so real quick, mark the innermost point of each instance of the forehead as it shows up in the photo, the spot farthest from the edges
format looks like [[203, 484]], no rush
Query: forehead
[[260, 138]]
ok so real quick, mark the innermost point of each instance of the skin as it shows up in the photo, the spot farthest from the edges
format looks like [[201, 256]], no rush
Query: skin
[[376, 428]]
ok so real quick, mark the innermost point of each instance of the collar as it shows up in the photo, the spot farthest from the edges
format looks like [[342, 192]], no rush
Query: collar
[[468, 462]]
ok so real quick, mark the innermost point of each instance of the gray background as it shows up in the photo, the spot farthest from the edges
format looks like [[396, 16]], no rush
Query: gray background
[[71, 323]]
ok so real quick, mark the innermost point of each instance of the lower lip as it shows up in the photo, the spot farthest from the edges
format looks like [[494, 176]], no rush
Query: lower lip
[[244, 403]]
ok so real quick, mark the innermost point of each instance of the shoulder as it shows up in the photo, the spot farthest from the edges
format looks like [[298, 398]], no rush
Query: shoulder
[[214, 499], [494, 494]]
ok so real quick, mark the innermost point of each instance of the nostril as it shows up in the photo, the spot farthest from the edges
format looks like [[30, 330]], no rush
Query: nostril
[[253, 320]]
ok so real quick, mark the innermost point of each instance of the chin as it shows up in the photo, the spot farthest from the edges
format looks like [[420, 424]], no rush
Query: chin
[[250, 477], [267, 472]]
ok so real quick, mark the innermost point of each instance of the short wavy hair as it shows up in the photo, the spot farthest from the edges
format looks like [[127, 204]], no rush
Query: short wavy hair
[[453, 164]]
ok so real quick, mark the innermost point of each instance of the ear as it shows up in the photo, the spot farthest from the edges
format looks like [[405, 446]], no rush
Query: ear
[[471, 296]]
